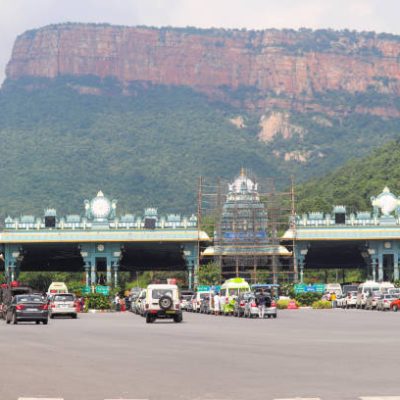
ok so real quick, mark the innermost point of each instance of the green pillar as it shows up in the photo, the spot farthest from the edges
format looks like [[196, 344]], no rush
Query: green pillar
[[190, 255], [12, 260]]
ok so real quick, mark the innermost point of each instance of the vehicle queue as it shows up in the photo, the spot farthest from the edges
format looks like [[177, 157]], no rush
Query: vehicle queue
[[235, 298], [371, 295]]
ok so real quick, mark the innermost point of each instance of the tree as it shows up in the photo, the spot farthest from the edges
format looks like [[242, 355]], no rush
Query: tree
[[210, 274]]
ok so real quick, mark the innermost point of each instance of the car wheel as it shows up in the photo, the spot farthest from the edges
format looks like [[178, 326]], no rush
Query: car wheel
[[74, 316], [45, 321], [52, 316], [149, 319], [274, 315], [178, 318], [395, 308], [37, 322], [15, 320]]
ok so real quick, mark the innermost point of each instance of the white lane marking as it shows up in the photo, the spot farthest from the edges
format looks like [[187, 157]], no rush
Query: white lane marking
[[40, 398], [301, 398], [381, 398]]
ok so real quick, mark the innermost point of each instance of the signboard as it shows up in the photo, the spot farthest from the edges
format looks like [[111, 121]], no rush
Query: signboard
[[316, 288], [203, 288], [103, 290], [86, 290]]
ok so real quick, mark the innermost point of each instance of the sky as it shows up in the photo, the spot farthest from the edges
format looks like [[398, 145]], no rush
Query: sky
[[17, 16]]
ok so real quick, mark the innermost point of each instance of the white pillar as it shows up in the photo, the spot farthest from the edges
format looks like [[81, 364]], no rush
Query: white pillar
[[395, 267], [93, 274], [108, 276], [380, 268]]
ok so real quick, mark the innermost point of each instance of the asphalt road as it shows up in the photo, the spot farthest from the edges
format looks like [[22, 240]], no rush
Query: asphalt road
[[332, 354]]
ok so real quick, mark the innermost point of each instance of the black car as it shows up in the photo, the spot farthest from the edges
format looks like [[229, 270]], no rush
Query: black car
[[7, 294], [28, 307]]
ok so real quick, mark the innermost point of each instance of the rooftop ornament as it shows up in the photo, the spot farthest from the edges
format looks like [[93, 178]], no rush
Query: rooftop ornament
[[387, 202]]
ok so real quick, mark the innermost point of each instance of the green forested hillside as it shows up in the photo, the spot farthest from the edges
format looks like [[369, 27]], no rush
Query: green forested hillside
[[60, 147], [353, 184]]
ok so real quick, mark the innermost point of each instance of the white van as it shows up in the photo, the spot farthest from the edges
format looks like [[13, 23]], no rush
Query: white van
[[231, 289], [364, 290], [334, 288], [57, 288], [386, 286]]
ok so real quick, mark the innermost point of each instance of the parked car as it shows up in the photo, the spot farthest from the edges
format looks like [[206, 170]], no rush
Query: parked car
[[63, 304], [351, 299], [251, 308], [372, 300], [136, 305], [133, 298], [162, 301], [205, 305], [364, 290], [198, 299], [28, 307], [383, 303], [271, 310], [186, 296], [395, 305], [190, 303], [142, 302], [341, 301], [240, 304]]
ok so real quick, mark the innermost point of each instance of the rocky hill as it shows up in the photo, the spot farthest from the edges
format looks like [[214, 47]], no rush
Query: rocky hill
[[258, 69], [142, 112]]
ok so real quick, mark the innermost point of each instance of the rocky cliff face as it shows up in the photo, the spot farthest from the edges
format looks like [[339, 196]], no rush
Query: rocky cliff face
[[267, 68]]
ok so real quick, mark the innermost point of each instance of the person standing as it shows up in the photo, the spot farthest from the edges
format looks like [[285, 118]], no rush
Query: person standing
[[261, 304], [217, 303]]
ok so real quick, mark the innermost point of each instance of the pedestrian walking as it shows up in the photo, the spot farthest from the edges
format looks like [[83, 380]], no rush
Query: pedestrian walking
[[117, 303], [217, 303]]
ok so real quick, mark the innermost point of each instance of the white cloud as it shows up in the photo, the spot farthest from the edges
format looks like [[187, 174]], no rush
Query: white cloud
[[17, 16]]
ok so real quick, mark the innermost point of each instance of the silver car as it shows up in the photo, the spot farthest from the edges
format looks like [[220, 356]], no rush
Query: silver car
[[62, 304], [383, 303]]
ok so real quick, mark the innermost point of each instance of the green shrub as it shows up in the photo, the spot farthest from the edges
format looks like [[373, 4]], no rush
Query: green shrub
[[307, 298], [282, 304], [321, 304], [287, 289], [97, 301]]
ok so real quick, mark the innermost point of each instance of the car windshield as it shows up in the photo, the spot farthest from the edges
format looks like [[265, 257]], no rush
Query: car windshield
[[29, 299], [158, 293], [64, 297]]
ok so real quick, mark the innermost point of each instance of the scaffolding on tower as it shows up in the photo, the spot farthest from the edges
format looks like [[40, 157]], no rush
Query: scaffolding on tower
[[246, 219]]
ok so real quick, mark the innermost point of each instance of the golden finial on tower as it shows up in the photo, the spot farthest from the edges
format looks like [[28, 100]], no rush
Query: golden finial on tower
[[242, 172]]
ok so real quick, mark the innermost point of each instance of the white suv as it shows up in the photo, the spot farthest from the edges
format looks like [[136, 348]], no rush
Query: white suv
[[62, 304], [162, 301]]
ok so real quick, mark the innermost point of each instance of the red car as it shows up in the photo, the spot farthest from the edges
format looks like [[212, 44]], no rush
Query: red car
[[395, 305]]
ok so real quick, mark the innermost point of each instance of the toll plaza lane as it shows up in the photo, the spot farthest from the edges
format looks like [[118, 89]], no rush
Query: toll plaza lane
[[327, 354]]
